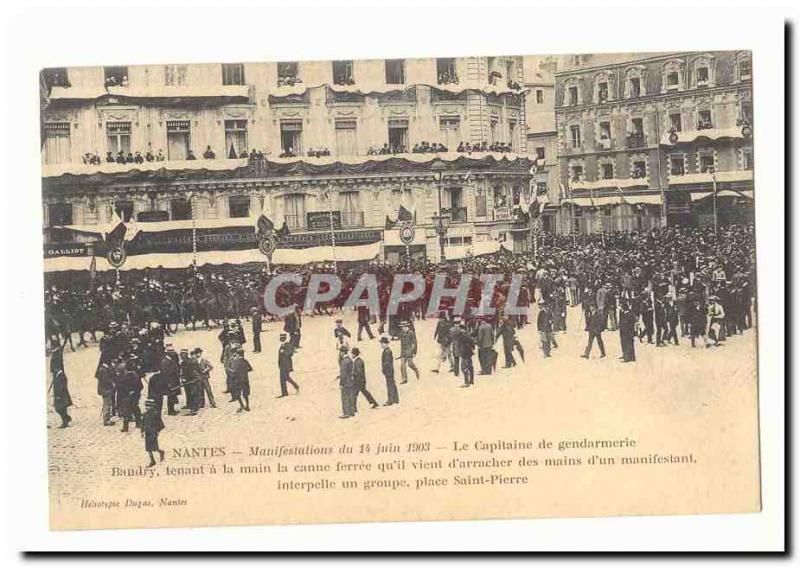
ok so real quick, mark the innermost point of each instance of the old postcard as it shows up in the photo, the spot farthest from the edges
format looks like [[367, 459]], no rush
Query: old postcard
[[451, 288]]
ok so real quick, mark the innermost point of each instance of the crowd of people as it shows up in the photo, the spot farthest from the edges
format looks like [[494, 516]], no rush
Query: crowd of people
[[497, 147], [659, 287], [425, 147]]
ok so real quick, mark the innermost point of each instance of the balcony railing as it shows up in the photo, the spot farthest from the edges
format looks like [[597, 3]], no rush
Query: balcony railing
[[636, 140], [604, 143], [352, 219], [296, 222]]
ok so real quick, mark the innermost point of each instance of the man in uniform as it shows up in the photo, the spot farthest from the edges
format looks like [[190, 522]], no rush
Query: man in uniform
[[285, 367], [387, 367]]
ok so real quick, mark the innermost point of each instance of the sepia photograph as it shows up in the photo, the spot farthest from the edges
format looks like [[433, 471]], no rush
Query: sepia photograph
[[400, 289]]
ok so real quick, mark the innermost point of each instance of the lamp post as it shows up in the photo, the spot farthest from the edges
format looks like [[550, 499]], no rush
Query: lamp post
[[441, 229]]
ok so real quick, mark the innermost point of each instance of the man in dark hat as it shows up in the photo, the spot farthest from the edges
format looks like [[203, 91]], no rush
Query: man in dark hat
[[442, 337], [170, 371], [363, 322], [408, 350], [204, 369], [464, 345], [130, 389], [285, 366], [190, 382], [239, 370], [341, 335], [360, 379], [595, 325], [485, 341], [508, 333], [544, 325], [105, 389], [627, 331], [291, 326], [347, 384], [387, 367]]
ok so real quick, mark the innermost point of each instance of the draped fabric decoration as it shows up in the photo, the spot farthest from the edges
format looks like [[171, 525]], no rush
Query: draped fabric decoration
[[226, 169]]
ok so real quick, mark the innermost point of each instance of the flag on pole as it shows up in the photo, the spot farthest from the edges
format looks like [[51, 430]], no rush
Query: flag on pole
[[131, 230], [283, 231], [116, 230], [264, 225], [92, 271]]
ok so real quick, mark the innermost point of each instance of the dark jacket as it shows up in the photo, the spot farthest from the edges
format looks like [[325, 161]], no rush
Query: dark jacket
[[359, 373], [595, 322], [544, 322], [387, 363], [285, 353], [346, 380], [442, 333]]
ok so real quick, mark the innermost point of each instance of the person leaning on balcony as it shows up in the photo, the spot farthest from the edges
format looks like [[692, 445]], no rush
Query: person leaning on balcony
[[209, 153], [138, 158], [149, 156], [160, 156], [110, 157], [190, 155], [120, 157]]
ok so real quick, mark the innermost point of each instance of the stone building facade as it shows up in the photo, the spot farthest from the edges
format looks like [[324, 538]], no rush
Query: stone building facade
[[341, 136], [644, 143]]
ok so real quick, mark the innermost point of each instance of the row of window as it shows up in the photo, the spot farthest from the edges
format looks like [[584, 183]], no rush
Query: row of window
[[289, 73], [636, 135], [671, 81], [179, 139], [351, 215], [677, 165]]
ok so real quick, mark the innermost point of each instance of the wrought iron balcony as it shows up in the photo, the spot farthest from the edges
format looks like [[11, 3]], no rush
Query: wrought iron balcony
[[636, 140]]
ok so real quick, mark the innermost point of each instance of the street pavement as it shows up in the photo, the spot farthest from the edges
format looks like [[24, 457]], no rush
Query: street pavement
[[673, 398]]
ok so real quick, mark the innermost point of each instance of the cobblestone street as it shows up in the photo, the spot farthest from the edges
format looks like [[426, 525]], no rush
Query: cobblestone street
[[671, 388]]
